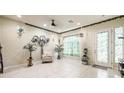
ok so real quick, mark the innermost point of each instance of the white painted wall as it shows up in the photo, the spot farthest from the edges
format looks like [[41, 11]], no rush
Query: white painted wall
[[13, 51], [89, 35], [0, 33]]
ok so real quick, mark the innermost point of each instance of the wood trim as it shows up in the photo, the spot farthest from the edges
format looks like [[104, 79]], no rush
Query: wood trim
[[41, 28], [77, 27], [93, 24], [74, 35]]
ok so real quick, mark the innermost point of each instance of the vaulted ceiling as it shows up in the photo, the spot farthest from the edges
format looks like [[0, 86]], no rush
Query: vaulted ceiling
[[63, 22]]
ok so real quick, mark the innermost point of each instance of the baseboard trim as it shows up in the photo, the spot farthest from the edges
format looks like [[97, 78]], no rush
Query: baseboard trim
[[14, 66], [101, 67], [20, 65]]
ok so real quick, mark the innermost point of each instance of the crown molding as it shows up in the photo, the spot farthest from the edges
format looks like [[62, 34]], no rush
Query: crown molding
[[77, 27], [41, 28], [93, 24]]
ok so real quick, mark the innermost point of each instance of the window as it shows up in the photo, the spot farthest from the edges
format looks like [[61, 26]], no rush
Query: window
[[118, 44], [71, 46]]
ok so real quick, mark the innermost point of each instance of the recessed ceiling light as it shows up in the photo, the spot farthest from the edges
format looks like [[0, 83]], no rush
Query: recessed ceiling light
[[78, 24], [19, 16], [44, 25]]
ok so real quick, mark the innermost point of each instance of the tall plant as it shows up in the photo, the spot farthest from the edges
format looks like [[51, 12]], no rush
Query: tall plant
[[59, 48], [41, 41], [30, 47]]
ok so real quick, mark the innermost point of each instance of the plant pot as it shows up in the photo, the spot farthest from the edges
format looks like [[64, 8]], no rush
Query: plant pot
[[30, 62], [58, 57]]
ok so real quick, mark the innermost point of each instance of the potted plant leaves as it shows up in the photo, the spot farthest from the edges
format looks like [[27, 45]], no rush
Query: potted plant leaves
[[85, 57], [59, 48], [30, 47], [41, 41]]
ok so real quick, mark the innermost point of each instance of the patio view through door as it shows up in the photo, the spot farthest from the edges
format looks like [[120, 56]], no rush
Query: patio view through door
[[109, 48], [118, 45], [102, 50]]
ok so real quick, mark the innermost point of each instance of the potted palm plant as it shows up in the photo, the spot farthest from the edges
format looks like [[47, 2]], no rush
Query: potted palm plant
[[30, 47], [41, 41], [59, 48]]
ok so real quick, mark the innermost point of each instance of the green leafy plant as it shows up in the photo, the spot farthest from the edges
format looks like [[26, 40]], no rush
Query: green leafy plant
[[30, 47], [41, 41], [59, 48]]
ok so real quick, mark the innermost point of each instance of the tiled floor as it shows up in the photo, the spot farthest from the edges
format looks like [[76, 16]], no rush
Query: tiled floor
[[65, 68]]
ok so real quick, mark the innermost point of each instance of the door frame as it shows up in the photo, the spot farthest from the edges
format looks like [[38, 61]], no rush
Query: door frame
[[114, 64], [109, 48]]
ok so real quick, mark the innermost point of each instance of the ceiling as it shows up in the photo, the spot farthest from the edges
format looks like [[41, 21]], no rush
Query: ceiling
[[61, 21]]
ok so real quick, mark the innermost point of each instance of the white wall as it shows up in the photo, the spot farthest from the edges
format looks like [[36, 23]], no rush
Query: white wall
[[89, 35], [13, 52], [0, 33]]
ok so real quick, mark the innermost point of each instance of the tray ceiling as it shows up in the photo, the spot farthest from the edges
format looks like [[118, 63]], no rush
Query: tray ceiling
[[63, 22]]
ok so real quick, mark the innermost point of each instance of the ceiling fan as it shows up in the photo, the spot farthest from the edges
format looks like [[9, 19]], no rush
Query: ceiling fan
[[53, 24]]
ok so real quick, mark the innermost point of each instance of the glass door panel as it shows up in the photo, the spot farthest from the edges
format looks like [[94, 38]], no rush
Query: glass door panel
[[102, 43], [118, 44]]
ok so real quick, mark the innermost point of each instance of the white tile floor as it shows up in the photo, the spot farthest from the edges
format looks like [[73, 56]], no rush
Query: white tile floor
[[65, 68]]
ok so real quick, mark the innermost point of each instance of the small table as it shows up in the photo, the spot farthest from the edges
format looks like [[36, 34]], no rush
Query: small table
[[1, 60], [121, 66]]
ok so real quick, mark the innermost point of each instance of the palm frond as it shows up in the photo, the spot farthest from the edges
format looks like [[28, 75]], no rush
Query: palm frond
[[30, 47]]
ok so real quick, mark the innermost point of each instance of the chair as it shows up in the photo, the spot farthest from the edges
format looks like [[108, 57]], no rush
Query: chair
[[121, 64], [47, 59]]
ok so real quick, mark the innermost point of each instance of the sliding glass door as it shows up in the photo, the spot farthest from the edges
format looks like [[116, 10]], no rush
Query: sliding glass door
[[109, 48], [118, 44], [102, 50]]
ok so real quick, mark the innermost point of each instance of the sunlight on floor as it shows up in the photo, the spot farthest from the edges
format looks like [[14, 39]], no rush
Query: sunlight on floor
[[65, 68]]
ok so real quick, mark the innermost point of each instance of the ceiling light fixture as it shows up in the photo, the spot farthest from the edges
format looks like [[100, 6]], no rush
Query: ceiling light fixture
[[44, 25], [19, 16], [78, 24], [20, 31], [52, 27]]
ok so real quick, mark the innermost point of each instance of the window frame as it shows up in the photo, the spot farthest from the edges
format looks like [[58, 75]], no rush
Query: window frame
[[78, 51]]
